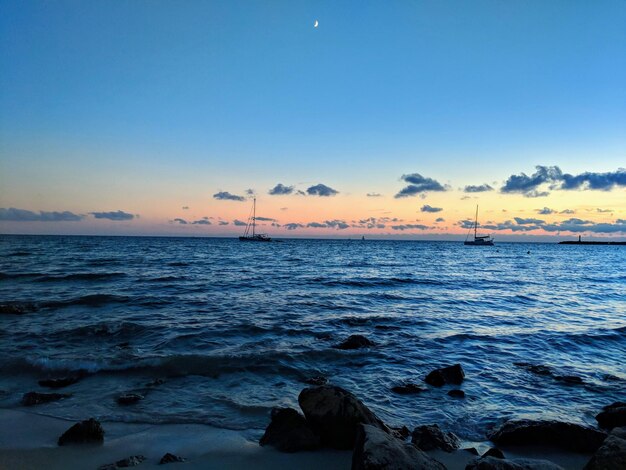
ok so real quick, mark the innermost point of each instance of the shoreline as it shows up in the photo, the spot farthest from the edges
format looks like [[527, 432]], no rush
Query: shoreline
[[29, 441]]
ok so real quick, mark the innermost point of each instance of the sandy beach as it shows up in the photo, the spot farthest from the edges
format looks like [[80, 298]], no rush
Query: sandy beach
[[29, 441]]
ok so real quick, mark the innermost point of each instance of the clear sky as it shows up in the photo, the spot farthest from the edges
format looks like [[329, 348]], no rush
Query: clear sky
[[122, 117]]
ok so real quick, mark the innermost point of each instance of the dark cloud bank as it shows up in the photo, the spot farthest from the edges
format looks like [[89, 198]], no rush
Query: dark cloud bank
[[226, 196], [418, 185]]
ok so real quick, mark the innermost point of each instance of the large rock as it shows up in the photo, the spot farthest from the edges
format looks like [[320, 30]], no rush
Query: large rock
[[612, 415], [131, 461], [432, 437], [289, 432], [36, 398], [492, 463], [446, 375], [407, 388], [171, 458], [376, 450], [334, 414], [610, 456], [88, 431], [567, 436], [354, 342]]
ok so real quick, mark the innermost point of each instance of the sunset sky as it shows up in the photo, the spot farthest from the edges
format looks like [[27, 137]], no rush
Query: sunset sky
[[390, 119]]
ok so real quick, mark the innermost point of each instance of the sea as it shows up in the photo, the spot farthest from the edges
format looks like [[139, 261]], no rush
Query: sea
[[216, 331]]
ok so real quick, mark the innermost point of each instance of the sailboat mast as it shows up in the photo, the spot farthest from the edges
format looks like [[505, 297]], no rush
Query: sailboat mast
[[253, 216], [476, 222]]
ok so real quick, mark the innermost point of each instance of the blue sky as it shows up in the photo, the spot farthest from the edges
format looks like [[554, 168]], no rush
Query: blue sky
[[146, 99]]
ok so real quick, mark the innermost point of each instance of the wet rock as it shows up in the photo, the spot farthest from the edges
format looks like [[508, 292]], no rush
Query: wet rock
[[612, 415], [155, 383], [289, 431], [619, 432], [457, 393], [129, 398], [401, 433], [610, 456], [471, 450], [559, 434], [354, 342], [495, 453], [60, 382], [88, 431], [376, 450], [539, 369], [569, 379], [491, 463], [432, 437], [15, 309], [131, 461], [334, 414], [317, 380], [446, 375], [36, 398], [170, 458], [407, 389]]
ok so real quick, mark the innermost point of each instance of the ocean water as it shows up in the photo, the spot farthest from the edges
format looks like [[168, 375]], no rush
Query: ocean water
[[233, 328]]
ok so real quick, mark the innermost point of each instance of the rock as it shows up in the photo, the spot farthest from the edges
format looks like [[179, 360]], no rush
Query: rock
[[446, 375], [36, 398], [170, 458], [494, 452], [60, 382], [491, 463], [612, 415], [155, 383], [354, 342], [407, 389], [432, 437], [129, 398], [88, 431], [334, 414], [401, 433], [457, 393], [567, 436], [289, 432], [610, 456], [317, 380], [547, 371], [471, 450], [376, 450], [619, 432], [569, 379], [131, 461]]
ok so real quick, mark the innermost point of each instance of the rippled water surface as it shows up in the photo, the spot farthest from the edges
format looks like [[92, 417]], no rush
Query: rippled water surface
[[236, 328]]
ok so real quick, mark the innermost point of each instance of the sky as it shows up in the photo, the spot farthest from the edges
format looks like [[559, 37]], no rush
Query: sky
[[389, 120]]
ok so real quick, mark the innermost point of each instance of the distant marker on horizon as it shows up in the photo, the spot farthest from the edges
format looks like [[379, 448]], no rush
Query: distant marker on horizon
[[316, 24]]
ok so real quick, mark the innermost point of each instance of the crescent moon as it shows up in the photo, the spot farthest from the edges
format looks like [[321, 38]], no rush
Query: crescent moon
[[316, 24]]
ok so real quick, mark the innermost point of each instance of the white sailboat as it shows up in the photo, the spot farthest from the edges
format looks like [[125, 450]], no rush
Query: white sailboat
[[479, 240], [250, 234]]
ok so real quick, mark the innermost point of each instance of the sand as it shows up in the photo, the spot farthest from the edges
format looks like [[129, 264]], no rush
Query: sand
[[29, 441]]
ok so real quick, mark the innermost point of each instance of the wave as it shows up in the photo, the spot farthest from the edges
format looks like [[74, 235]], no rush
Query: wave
[[101, 330], [20, 253], [92, 300], [18, 275], [375, 282], [81, 277]]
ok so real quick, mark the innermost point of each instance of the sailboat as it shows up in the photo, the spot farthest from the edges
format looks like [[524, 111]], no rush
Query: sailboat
[[483, 240], [250, 234]]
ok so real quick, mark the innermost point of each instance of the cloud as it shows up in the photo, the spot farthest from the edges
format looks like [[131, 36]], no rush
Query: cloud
[[265, 219], [293, 226], [337, 224], [567, 211], [180, 221], [440, 219], [552, 175], [410, 227], [597, 181], [222, 222], [316, 225], [23, 215], [527, 185], [202, 221], [477, 189], [226, 196], [427, 208], [321, 190], [604, 211], [465, 198], [521, 221], [374, 195], [418, 185], [185, 208], [113, 215], [281, 189], [545, 211], [239, 223]]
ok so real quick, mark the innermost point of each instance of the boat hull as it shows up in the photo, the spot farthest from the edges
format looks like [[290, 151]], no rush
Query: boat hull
[[488, 243], [255, 239]]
